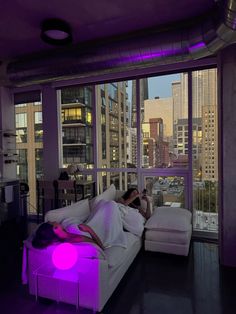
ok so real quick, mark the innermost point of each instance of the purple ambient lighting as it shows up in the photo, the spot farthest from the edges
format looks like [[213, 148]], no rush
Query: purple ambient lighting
[[64, 256], [199, 45], [160, 54]]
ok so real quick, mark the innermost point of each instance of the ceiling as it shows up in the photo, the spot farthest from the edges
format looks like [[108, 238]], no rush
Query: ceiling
[[20, 20]]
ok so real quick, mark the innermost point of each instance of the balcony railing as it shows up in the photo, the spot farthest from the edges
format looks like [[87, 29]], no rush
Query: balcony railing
[[76, 140], [74, 120]]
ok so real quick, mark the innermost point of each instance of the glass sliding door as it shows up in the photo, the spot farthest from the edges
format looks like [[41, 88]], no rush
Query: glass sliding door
[[205, 150], [29, 145]]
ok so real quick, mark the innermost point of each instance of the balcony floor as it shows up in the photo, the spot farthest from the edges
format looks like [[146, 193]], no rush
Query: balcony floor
[[156, 283]]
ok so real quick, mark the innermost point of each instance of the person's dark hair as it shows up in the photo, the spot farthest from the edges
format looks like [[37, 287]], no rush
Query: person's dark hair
[[135, 202], [44, 236]]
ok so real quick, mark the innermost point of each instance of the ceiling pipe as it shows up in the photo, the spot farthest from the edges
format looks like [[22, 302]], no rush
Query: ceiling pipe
[[140, 50]]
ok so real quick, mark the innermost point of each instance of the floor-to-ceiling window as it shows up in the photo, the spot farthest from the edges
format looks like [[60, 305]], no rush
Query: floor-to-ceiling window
[[29, 143], [205, 149], [165, 142], [77, 126], [164, 124], [116, 136]]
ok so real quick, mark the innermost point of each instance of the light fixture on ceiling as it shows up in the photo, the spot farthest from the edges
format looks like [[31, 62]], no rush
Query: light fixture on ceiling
[[56, 32]]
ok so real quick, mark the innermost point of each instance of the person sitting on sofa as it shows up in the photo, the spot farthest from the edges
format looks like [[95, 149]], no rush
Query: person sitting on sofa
[[132, 198], [104, 227]]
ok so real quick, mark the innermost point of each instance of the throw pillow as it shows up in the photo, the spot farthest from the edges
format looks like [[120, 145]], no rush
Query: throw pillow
[[79, 209]]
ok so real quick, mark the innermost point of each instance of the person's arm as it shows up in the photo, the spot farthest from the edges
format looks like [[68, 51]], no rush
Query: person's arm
[[146, 214], [148, 210], [94, 236], [129, 200]]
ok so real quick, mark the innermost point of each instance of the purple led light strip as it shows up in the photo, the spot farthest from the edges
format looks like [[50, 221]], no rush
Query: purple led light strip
[[160, 54]]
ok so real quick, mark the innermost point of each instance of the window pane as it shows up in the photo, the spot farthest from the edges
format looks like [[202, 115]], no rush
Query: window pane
[[205, 150], [22, 165], [39, 163], [164, 121], [38, 126], [77, 126], [121, 180], [29, 144], [21, 126], [166, 191], [117, 139]]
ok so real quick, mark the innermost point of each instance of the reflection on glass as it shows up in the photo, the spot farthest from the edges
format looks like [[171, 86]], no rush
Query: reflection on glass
[[165, 191], [22, 165], [29, 144], [205, 150], [38, 126], [39, 162], [21, 126]]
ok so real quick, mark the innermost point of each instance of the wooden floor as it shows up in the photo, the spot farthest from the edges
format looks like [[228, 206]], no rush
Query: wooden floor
[[155, 284]]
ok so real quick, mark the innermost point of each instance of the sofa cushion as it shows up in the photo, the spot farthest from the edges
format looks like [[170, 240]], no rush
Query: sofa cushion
[[116, 254], [179, 237], [108, 195], [79, 209], [170, 218]]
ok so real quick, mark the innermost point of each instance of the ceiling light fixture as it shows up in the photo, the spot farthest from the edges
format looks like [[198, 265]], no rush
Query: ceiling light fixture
[[56, 32]]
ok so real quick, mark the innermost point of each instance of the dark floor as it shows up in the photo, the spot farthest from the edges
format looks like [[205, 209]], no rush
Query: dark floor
[[156, 283]]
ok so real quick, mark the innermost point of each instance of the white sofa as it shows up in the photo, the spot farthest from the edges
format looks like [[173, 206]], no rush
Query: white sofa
[[98, 275]]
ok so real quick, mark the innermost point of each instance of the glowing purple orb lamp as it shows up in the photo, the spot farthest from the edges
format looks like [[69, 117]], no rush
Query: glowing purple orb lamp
[[64, 256]]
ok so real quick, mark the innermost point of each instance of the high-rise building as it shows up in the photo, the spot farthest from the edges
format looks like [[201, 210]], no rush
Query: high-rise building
[[143, 97], [155, 149], [181, 141], [204, 91], [160, 108], [204, 121], [77, 126], [111, 128], [209, 143], [204, 86], [131, 147], [180, 98], [77, 122]]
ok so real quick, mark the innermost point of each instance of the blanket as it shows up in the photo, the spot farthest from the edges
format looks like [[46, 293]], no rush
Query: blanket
[[132, 220], [105, 220]]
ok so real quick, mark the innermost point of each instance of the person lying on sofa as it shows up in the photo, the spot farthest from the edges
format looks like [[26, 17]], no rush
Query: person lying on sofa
[[104, 227], [132, 198], [50, 232]]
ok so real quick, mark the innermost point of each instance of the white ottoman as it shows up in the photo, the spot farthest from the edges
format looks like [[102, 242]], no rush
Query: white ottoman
[[169, 230]]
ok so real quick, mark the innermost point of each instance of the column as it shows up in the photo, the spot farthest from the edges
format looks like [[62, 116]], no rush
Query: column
[[7, 122], [51, 133], [227, 156]]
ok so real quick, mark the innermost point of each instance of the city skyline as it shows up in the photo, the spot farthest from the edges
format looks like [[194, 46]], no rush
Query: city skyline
[[164, 132], [159, 86]]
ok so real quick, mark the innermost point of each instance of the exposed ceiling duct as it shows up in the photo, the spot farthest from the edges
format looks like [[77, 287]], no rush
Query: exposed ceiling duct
[[196, 40]]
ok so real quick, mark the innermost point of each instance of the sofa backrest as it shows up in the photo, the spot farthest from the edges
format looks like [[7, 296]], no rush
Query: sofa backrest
[[107, 195], [79, 209]]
